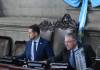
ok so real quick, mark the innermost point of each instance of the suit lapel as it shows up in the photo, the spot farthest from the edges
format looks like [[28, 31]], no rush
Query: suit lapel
[[39, 45]]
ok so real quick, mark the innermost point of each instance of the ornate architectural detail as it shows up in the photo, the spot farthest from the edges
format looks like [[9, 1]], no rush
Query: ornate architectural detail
[[46, 25], [65, 22]]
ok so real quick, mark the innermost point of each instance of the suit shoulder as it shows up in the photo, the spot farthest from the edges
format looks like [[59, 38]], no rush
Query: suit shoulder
[[44, 40], [87, 45], [28, 41]]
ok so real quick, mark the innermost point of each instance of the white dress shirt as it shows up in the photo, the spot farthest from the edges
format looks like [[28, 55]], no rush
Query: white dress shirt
[[32, 47]]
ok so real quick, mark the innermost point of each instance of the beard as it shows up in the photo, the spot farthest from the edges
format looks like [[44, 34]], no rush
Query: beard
[[34, 38]]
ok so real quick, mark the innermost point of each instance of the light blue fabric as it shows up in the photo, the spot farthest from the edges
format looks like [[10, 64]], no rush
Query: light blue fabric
[[74, 3], [83, 12], [95, 3]]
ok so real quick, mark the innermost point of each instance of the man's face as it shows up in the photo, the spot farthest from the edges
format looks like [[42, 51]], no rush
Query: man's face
[[31, 34], [70, 43]]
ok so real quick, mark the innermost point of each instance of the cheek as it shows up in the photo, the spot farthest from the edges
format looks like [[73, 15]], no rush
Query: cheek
[[67, 46], [70, 45]]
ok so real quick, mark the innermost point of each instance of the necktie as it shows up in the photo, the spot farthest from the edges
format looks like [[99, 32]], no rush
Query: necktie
[[35, 53], [72, 59]]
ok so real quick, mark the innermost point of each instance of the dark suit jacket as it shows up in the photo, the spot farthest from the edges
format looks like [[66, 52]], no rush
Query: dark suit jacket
[[63, 57], [44, 50]]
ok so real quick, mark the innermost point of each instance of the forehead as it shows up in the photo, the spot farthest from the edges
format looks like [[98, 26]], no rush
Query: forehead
[[68, 38]]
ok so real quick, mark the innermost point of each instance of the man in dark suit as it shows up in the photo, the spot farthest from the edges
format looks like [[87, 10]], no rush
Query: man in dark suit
[[68, 56], [37, 48]]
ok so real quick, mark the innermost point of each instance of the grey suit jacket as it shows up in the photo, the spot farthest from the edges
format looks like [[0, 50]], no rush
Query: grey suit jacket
[[63, 57]]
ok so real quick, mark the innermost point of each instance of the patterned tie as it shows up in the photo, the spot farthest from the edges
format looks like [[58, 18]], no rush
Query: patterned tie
[[35, 53], [72, 59]]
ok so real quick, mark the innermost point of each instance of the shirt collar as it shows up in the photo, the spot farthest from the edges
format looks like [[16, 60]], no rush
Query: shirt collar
[[76, 48]]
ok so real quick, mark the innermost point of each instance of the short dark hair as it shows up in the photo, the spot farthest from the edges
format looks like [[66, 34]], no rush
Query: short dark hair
[[35, 28]]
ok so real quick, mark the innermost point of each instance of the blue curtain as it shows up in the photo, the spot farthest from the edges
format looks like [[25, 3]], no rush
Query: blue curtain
[[74, 3], [95, 3], [83, 14], [83, 11]]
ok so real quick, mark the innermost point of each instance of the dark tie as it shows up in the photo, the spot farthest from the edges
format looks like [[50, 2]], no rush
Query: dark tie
[[72, 59], [35, 53]]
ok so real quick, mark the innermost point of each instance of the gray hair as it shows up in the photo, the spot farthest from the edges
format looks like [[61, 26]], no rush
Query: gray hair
[[71, 34]]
